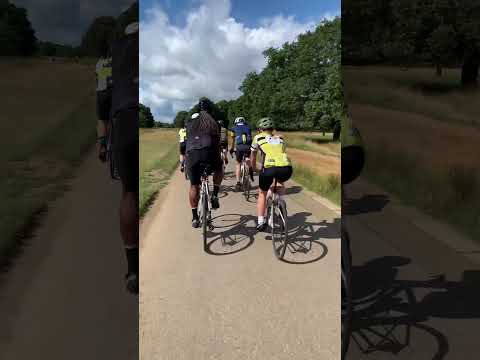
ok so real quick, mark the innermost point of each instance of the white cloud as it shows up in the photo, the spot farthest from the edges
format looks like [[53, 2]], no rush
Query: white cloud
[[209, 56]]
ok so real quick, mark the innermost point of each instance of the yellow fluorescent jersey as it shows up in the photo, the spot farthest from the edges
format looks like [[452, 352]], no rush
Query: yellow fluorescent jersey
[[272, 149], [182, 134]]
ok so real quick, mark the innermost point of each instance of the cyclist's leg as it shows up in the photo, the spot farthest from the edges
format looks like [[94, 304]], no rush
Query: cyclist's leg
[[194, 169], [239, 158], [126, 156], [217, 168], [249, 164], [265, 180]]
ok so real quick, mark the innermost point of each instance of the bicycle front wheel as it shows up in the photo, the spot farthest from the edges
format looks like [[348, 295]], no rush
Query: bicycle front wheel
[[279, 229]]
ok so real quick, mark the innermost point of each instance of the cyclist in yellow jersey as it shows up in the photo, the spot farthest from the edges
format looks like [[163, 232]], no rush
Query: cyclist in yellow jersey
[[182, 134], [275, 164]]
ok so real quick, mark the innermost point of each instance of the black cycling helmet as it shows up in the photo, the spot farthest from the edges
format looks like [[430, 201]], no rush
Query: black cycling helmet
[[220, 122], [205, 105]]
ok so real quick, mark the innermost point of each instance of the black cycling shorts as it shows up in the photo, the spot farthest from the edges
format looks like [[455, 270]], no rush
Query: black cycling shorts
[[183, 148], [125, 148], [198, 159], [242, 152], [224, 145], [266, 176]]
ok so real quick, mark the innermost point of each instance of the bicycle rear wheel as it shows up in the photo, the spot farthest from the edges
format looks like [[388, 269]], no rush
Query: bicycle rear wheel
[[246, 185], [346, 302], [204, 220], [279, 229]]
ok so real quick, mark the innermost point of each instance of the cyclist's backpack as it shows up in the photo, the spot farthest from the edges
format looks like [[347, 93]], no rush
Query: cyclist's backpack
[[243, 135]]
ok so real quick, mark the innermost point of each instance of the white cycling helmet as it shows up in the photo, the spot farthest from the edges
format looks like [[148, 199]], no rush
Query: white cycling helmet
[[240, 120]]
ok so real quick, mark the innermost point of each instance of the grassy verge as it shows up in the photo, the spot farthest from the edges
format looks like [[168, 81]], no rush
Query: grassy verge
[[37, 175], [449, 195], [326, 186], [158, 160]]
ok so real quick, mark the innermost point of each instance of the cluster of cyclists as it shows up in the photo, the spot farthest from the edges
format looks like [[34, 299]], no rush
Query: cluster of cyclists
[[204, 145]]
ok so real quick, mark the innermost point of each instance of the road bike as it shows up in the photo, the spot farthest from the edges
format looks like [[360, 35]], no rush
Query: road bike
[[245, 179], [205, 206], [277, 220], [347, 300]]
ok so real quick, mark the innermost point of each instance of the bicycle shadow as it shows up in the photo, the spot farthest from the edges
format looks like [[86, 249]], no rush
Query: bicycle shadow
[[234, 234], [386, 309], [304, 238], [365, 204]]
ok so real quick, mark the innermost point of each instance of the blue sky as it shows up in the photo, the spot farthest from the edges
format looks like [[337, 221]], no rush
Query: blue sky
[[250, 12], [210, 54]]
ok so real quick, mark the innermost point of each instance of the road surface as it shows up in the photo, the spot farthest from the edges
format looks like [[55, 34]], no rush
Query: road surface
[[416, 282], [238, 301], [65, 297]]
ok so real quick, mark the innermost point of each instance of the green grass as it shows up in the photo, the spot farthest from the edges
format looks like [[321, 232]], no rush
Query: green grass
[[158, 160], [326, 186], [451, 196], [417, 90], [46, 133], [449, 193]]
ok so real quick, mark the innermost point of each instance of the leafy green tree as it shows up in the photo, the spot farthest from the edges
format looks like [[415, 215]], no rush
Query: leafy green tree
[[145, 117], [180, 119]]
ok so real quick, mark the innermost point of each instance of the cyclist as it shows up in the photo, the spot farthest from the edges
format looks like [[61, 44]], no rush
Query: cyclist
[[275, 165], [203, 148], [242, 143], [124, 113], [223, 140], [182, 134]]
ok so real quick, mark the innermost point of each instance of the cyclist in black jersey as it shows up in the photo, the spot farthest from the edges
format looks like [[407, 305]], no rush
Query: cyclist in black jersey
[[203, 149], [123, 111]]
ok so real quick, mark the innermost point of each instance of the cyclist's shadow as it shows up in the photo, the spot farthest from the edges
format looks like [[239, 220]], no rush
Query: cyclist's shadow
[[305, 238], [233, 235], [386, 309]]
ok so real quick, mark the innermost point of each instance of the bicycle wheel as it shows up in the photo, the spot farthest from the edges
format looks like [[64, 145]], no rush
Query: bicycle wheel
[[246, 185], [346, 302], [204, 220], [279, 229]]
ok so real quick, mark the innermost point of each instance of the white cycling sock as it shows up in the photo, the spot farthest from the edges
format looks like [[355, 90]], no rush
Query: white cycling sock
[[261, 220]]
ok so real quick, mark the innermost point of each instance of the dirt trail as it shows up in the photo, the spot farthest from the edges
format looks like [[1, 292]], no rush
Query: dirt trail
[[65, 296]]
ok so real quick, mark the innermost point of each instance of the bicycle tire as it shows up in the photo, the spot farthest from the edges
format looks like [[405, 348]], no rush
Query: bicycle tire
[[279, 230], [346, 300], [204, 220]]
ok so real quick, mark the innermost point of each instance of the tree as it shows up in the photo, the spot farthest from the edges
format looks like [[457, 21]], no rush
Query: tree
[[17, 37], [145, 117], [180, 119]]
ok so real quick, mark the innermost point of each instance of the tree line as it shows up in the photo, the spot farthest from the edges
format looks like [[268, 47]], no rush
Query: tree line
[[17, 37], [409, 32], [299, 89]]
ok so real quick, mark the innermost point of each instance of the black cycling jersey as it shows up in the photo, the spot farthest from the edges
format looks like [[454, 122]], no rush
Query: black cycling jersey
[[198, 138], [125, 73]]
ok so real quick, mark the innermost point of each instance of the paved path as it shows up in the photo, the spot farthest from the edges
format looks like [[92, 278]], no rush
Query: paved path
[[238, 301], [416, 282], [65, 297]]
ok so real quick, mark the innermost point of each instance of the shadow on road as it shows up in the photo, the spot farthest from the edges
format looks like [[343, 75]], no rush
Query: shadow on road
[[304, 245], [365, 204], [389, 317], [237, 237]]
